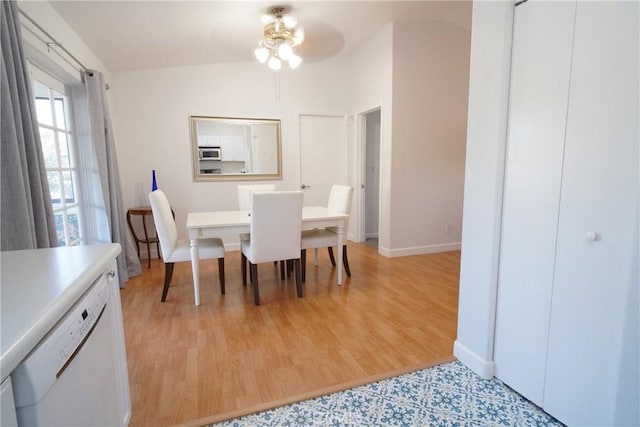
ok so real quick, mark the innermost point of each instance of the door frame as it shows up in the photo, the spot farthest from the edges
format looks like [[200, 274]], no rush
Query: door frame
[[360, 176]]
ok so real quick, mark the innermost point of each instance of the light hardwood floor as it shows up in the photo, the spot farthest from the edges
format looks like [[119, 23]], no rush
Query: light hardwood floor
[[194, 365]]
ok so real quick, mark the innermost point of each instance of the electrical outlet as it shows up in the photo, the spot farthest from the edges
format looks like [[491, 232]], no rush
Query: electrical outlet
[[447, 228]]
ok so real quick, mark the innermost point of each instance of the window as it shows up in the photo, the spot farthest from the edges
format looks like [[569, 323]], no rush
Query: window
[[53, 109]]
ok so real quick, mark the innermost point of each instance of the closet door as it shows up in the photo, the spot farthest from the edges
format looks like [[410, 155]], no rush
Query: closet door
[[593, 341], [540, 71]]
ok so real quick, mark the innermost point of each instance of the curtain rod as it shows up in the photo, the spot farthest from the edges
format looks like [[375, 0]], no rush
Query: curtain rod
[[55, 42]]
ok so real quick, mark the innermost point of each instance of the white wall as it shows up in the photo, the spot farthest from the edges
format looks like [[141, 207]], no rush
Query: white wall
[[484, 170], [371, 87], [417, 74], [152, 109], [430, 89]]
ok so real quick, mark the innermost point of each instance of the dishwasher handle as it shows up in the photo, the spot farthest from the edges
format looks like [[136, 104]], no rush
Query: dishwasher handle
[[79, 347]]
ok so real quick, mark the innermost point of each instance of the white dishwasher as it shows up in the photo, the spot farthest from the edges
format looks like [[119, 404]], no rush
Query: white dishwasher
[[72, 376]]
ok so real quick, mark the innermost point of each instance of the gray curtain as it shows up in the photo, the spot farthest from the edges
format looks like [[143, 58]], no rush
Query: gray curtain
[[107, 168], [25, 210]]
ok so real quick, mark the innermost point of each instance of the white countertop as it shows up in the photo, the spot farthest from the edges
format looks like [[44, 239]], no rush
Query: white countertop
[[37, 287]]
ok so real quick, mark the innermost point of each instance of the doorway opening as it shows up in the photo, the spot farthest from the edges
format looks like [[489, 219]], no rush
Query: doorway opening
[[371, 178]]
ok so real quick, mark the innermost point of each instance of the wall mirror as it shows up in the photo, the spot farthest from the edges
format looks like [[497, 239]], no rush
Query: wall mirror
[[227, 148]]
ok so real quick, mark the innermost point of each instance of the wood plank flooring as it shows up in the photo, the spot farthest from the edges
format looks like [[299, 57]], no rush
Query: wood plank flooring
[[194, 365]]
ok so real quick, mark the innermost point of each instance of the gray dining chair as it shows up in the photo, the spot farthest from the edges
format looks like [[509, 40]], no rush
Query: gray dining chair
[[275, 233], [175, 250]]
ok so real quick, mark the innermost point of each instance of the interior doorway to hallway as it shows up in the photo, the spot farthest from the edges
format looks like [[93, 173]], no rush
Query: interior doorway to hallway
[[371, 127]]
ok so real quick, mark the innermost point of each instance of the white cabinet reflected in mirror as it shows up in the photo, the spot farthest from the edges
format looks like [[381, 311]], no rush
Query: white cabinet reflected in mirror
[[225, 148]]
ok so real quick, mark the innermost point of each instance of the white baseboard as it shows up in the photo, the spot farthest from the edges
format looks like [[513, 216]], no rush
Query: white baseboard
[[384, 251], [230, 247], [485, 368], [420, 250]]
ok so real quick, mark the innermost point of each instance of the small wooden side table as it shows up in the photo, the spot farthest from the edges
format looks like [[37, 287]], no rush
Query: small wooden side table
[[143, 211]]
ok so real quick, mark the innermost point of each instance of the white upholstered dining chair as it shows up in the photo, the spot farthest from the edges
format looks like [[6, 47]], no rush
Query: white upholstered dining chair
[[175, 250], [339, 201], [245, 192], [275, 232], [244, 198]]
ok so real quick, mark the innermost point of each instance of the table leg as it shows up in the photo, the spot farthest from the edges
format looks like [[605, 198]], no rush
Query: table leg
[[195, 267], [340, 231], [146, 239]]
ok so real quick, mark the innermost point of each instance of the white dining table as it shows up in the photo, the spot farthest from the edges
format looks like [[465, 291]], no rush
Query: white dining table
[[228, 223]]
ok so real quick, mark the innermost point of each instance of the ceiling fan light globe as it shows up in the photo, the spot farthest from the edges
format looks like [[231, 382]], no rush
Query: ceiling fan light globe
[[262, 54], [289, 21], [284, 51], [274, 63], [294, 61]]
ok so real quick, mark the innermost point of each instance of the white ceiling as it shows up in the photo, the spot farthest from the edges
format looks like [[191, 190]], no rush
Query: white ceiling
[[129, 35]]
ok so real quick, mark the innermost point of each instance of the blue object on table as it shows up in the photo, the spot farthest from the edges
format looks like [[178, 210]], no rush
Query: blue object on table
[[154, 184]]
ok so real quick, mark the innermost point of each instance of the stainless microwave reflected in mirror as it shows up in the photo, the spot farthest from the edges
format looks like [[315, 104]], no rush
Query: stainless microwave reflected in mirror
[[226, 148]]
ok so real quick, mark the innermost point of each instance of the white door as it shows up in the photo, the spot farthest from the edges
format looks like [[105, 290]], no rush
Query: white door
[[592, 366], [324, 156], [540, 69]]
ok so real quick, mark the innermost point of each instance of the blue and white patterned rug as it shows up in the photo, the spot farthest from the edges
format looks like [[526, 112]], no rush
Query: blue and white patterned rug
[[445, 395]]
